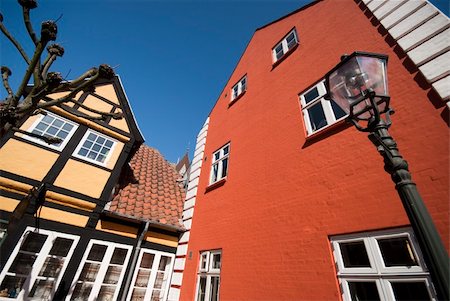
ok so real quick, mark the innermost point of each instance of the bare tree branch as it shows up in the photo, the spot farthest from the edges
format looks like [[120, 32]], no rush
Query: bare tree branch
[[48, 140], [82, 115], [28, 25], [5, 75], [106, 114], [13, 40]]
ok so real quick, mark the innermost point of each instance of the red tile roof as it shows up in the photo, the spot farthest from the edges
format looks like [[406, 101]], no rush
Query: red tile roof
[[149, 190]]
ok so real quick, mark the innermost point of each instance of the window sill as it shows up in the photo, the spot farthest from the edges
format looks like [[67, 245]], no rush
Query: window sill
[[236, 99], [215, 185], [281, 59]]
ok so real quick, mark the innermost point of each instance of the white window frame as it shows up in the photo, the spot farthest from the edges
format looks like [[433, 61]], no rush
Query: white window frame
[[40, 260], [326, 107], [240, 88], [97, 284], [378, 272], [42, 142], [219, 163], [154, 271], [85, 158], [209, 273], [285, 46]]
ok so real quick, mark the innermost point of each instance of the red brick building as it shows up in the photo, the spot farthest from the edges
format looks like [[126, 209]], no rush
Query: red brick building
[[288, 202]]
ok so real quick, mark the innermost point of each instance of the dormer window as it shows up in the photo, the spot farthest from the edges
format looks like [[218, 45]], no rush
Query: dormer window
[[95, 147], [287, 44], [239, 88]]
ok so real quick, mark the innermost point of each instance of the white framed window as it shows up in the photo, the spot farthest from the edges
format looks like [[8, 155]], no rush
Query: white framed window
[[382, 265], [51, 125], [318, 112], [208, 280], [95, 148], [35, 267], [239, 88], [101, 272], [288, 42], [219, 168], [152, 276]]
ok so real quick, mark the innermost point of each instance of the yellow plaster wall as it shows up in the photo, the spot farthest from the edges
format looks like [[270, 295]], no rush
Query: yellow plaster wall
[[108, 92], [61, 94], [115, 155], [26, 160], [162, 239], [96, 104], [117, 229], [8, 204], [63, 217], [83, 178]]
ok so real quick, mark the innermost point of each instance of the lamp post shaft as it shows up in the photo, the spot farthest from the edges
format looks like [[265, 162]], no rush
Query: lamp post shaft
[[435, 254]]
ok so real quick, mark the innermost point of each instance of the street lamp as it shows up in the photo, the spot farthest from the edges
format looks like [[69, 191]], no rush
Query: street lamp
[[358, 84]]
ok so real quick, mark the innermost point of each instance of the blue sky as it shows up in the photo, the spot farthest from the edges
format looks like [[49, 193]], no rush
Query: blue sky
[[173, 57]]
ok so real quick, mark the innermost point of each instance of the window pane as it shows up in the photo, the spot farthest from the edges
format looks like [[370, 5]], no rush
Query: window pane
[[214, 294], [112, 275], [82, 151], [58, 123], [201, 289], [159, 280], [52, 267], [81, 292], [97, 252], [156, 295], [354, 254], [96, 147], [48, 119], [33, 242], [397, 252], [338, 112], [163, 263], [101, 158], [104, 151], [22, 264], [215, 172], [87, 144], [224, 167], [138, 294], [119, 255], [311, 95], [62, 135], [147, 260], [52, 130], [92, 155], [100, 140], [61, 246], [226, 149], [363, 291], [12, 285], [106, 293], [42, 289], [317, 117], [91, 136], [142, 278], [216, 261], [203, 262], [108, 143], [408, 291], [41, 126], [89, 272], [67, 127]]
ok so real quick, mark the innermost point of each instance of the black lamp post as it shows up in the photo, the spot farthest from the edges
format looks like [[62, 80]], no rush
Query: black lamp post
[[358, 84]]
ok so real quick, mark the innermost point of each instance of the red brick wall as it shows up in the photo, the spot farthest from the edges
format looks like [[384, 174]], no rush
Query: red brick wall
[[284, 195]]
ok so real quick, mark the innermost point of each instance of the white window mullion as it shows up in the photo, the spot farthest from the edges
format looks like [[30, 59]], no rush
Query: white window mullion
[[152, 278]]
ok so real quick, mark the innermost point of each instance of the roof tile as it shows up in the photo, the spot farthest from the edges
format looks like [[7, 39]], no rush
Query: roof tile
[[149, 189]]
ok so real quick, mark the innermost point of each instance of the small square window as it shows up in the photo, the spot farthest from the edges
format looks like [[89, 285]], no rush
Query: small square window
[[208, 281], [239, 88], [51, 125], [318, 112], [283, 47], [95, 147], [219, 168]]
